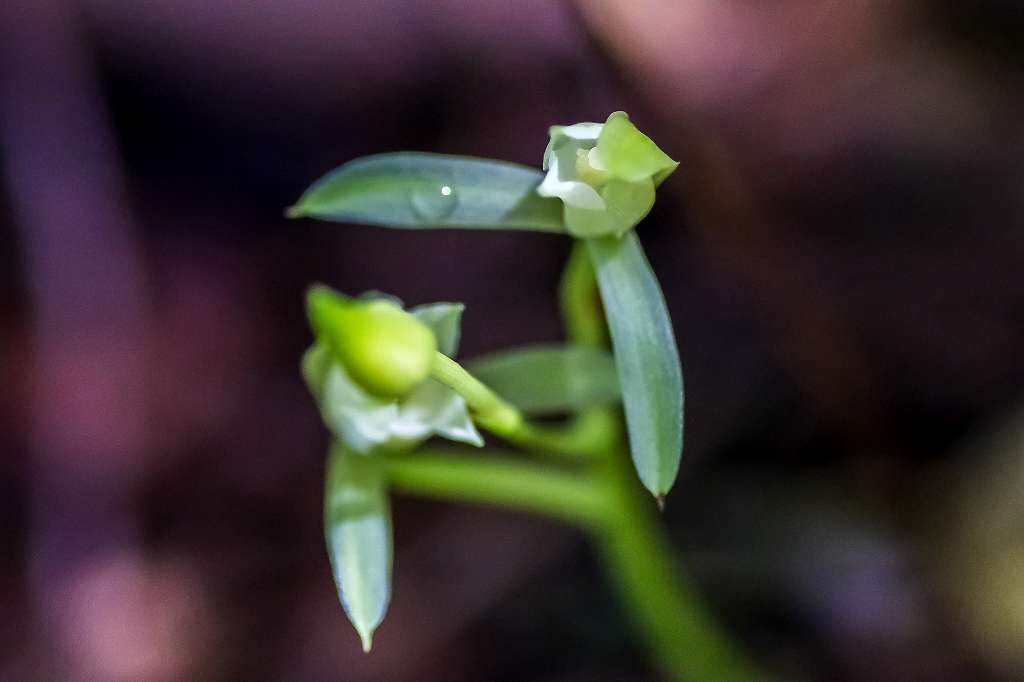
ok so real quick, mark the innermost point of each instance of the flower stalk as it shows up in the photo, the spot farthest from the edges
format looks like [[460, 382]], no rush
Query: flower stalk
[[486, 407]]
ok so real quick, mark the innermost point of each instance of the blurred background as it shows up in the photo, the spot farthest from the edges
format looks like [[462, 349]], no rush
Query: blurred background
[[842, 251]]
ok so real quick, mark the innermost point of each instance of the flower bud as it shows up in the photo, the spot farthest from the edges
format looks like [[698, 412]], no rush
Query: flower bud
[[386, 351], [604, 173]]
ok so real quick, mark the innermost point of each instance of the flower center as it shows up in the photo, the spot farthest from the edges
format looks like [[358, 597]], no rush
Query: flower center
[[594, 177]]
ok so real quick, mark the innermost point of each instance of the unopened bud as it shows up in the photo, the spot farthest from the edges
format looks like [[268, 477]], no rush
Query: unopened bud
[[384, 349]]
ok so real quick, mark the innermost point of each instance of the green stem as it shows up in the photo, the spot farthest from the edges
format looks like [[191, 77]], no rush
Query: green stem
[[581, 302], [526, 486], [489, 410], [583, 438], [683, 636], [493, 413], [585, 325]]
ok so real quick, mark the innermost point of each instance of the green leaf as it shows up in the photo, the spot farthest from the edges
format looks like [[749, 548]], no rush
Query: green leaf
[[646, 357], [358, 530], [418, 190], [550, 379]]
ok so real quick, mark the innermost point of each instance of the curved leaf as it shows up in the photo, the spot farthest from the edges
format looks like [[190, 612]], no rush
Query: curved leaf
[[419, 190], [646, 357], [358, 530], [550, 378]]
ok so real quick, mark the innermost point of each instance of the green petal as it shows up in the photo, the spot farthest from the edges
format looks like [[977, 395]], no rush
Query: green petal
[[357, 527], [646, 357], [626, 204], [550, 378], [417, 190], [385, 349], [628, 154]]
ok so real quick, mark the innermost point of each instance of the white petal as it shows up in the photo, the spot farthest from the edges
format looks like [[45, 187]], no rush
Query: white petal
[[361, 421], [578, 194], [561, 148], [454, 423], [441, 410], [578, 135], [570, 190], [583, 131]]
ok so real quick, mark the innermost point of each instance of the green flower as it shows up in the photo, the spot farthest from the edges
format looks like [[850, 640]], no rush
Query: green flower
[[605, 175], [369, 371]]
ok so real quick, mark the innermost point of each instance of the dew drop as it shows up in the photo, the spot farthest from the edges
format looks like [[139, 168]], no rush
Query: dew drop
[[434, 203]]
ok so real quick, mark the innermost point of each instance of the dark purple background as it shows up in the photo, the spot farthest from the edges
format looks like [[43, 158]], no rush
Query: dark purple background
[[842, 250]]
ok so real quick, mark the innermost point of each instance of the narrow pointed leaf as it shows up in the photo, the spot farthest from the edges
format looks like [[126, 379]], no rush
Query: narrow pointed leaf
[[646, 357], [550, 378], [358, 530], [418, 190]]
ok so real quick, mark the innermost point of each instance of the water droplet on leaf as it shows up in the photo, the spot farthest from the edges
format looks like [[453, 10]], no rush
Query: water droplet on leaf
[[434, 203]]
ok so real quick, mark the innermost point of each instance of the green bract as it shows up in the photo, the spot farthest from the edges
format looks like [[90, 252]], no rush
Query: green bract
[[360, 337], [605, 175]]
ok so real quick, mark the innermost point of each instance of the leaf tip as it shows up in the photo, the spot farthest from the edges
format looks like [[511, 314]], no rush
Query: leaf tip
[[660, 501], [366, 636], [295, 211]]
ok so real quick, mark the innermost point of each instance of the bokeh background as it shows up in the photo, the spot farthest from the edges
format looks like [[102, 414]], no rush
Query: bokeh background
[[842, 251]]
